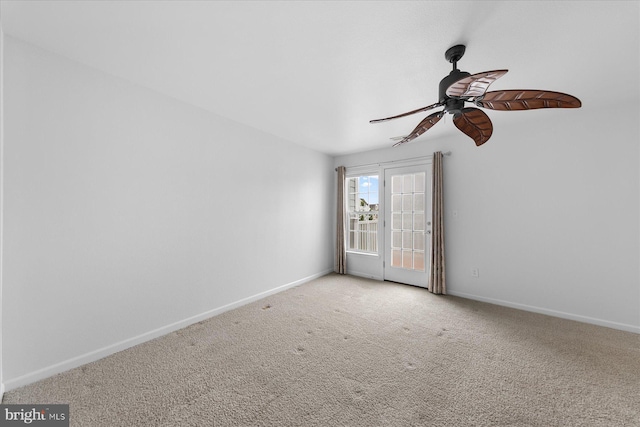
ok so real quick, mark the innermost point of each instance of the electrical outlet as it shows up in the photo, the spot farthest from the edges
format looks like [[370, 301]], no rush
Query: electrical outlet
[[475, 272]]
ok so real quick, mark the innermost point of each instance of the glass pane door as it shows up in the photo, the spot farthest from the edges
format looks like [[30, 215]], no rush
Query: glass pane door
[[407, 229]]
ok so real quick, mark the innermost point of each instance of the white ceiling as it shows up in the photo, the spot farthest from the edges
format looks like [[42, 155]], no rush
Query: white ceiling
[[315, 73]]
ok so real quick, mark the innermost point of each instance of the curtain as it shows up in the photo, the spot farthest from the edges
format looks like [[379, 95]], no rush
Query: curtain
[[437, 282], [341, 254]]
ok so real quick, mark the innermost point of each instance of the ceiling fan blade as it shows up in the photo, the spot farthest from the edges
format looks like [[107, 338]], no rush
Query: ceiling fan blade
[[428, 107], [475, 85], [475, 124], [422, 127], [518, 99]]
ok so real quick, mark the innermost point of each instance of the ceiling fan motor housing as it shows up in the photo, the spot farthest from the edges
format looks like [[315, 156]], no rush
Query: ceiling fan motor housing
[[451, 105]]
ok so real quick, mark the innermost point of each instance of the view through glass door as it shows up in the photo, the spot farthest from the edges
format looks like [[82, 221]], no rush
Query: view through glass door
[[408, 224]]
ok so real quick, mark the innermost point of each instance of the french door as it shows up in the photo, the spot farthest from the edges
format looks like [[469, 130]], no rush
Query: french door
[[407, 227]]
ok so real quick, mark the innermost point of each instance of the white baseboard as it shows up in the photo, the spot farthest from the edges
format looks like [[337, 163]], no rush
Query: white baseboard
[[123, 345], [561, 314]]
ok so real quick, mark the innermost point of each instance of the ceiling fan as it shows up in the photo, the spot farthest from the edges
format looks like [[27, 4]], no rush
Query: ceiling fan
[[460, 87]]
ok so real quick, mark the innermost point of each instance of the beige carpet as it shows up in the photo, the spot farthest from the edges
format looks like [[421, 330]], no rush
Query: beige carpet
[[344, 351]]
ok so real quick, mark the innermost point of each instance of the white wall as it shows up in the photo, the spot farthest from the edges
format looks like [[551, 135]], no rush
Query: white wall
[[547, 210], [128, 214]]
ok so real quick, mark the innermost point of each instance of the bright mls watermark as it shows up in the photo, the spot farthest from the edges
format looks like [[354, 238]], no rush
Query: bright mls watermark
[[34, 415]]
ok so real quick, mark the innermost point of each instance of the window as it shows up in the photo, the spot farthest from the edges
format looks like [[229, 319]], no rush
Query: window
[[362, 210]]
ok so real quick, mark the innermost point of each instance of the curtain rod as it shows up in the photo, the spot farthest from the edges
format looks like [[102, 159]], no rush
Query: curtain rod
[[446, 153]]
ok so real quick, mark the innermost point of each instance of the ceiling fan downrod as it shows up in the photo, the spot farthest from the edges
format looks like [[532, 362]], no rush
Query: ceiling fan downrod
[[454, 53]]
